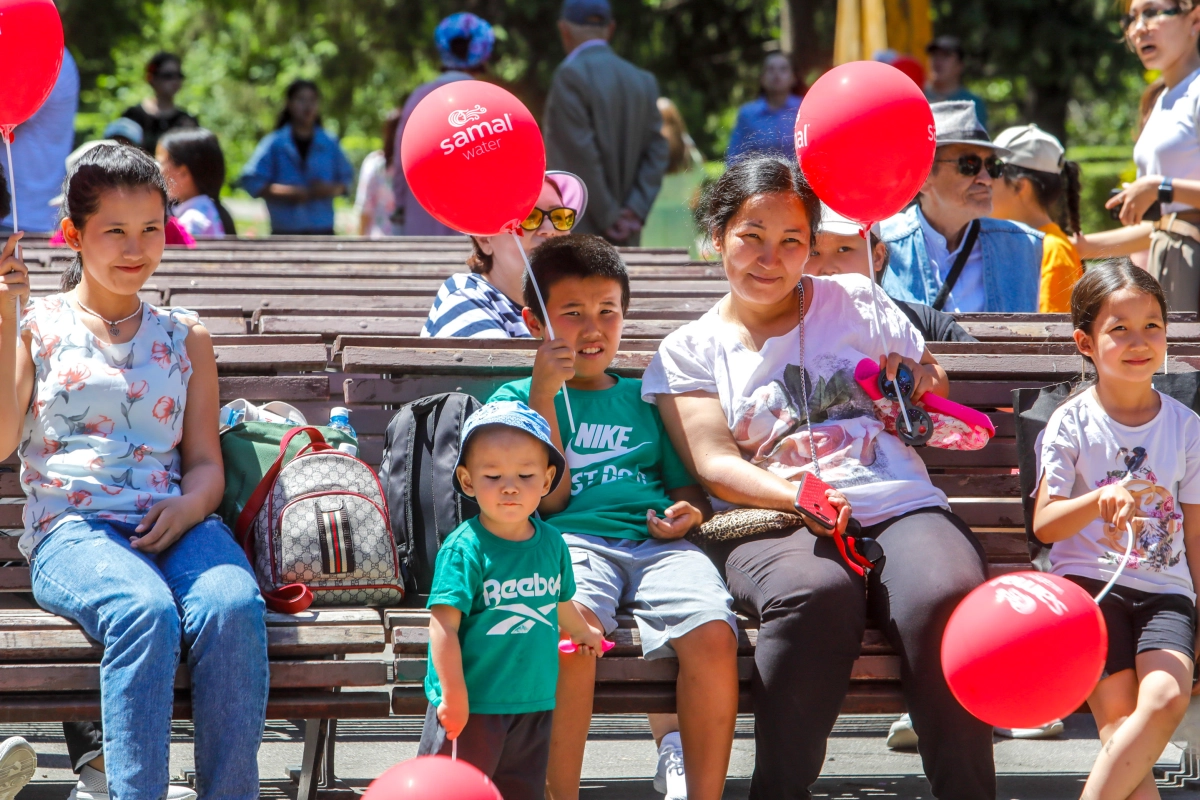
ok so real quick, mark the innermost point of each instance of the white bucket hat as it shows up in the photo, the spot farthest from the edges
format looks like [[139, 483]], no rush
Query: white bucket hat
[[835, 223], [1030, 147]]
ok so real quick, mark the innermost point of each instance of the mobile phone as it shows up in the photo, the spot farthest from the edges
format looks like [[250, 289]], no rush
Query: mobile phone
[[812, 504], [1153, 213]]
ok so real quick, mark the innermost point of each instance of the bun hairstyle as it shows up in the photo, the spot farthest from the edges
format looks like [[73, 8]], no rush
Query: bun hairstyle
[[1104, 280], [750, 176], [1057, 193], [102, 169]]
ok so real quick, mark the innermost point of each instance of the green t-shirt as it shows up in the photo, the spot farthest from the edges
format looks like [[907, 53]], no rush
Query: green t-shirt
[[621, 461], [508, 593]]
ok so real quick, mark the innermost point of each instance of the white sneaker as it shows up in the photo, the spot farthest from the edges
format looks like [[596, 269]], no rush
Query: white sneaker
[[901, 735], [670, 779], [93, 785], [1048, 731], [18, 763]]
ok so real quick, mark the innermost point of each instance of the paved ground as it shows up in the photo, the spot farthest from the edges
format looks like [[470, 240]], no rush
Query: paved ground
[[621, 759]]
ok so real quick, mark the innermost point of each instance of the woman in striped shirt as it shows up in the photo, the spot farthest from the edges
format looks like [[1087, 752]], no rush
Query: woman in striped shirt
[[486, 302]]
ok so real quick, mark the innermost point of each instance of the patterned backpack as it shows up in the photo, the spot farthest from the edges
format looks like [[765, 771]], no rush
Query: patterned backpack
[[316, 530]]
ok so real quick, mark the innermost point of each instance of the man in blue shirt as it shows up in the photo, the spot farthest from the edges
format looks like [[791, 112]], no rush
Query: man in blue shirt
[[1002, 260], [945, 75], [768, 123]]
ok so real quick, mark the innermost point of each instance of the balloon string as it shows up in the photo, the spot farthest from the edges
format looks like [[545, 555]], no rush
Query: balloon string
[[454, 749], [12, 193], [546, 316], [1111, 581], [866, 234]]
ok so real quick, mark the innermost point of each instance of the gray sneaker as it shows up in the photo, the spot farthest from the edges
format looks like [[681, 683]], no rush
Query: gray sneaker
[[18, 763], [1048, 731], [93, 785]]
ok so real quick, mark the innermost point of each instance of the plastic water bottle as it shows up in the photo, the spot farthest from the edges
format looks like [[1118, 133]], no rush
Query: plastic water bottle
[[339, 420]]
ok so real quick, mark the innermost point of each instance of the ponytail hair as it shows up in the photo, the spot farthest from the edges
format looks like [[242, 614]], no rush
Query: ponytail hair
[[1056, 192], [1104, 280], [105, 168]]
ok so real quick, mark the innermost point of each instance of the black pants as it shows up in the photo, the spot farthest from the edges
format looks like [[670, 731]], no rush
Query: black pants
[[511, 749], [812, 610], [85, 742]]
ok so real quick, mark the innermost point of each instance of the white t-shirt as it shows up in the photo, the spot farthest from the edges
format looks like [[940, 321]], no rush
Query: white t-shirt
[[200, 218], [759, 392], [1170, 142], [1083, 449]]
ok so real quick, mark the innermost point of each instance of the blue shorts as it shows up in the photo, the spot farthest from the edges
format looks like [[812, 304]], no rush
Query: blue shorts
[[669, 585]]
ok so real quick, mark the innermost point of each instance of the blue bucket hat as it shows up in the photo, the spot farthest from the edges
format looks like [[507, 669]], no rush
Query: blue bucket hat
[[464, 25], [514, 414]]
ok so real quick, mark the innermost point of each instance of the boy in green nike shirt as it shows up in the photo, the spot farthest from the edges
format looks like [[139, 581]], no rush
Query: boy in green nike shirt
[[502, 586], [624, 512]]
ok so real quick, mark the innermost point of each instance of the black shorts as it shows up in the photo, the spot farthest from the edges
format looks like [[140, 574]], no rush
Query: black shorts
[[1141, 621], [511, 749]]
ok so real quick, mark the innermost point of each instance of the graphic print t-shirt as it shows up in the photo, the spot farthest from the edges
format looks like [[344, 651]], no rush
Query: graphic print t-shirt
[[1083, 449], [621, 461], [508, 593], [760, 393]]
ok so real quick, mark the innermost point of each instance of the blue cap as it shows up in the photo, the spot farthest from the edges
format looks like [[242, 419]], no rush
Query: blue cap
[[587, 12], [467, 26], [514, 414], [127, 128]]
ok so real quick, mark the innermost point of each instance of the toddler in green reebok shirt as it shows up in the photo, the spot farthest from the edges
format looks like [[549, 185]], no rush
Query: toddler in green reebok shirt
[[502, 587]]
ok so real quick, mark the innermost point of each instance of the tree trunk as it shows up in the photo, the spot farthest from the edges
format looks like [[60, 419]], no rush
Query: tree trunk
[[1046, 106], [804, 35]]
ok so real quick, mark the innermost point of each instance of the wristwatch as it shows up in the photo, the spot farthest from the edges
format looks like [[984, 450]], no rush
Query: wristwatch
[[1166, 192]]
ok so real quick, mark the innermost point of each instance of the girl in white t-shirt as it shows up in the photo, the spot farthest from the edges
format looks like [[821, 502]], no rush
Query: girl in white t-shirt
[[194, 166], [1118, 454]]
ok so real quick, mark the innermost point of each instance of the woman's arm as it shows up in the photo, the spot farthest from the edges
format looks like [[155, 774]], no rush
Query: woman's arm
[[710, 453], [1135, 198], [16, 364], [1191, 546], [286, 192], [1115, 243], [202, 467]]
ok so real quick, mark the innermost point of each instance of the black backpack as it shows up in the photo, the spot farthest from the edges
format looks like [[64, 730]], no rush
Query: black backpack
[[420, 450]]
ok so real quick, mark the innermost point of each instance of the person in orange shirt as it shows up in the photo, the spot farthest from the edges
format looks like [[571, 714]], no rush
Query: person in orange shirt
[[1041, 189]]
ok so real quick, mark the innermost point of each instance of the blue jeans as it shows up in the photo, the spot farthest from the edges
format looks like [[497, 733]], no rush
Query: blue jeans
[[201, 590]]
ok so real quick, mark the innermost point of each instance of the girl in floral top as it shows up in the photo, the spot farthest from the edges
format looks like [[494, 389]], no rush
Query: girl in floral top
[[121, 465]]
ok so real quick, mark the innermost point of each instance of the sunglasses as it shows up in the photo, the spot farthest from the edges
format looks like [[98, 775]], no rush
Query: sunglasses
[[169, 76], [970, 165], [563, 219], [1149, 16]]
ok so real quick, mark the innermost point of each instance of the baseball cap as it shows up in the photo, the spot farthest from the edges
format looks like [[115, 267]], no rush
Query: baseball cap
[[587, 12], [948, 44], [464, 25], [513, 414], [1030, 147], [127, 128]]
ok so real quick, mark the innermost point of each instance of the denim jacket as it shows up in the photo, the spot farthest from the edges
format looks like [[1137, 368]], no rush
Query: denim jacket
[[1012, 262], [276, 160]]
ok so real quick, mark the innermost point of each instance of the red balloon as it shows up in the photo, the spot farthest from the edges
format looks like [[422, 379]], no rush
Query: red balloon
[[865, 140], [1024, 649], [432, 778], [473, 157], [31, 55]]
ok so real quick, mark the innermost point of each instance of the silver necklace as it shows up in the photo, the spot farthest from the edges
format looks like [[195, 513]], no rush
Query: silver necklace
[[112, 324], [804, 384]]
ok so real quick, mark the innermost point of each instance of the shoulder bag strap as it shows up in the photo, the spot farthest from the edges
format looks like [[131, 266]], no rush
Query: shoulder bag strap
[[955, 271], [255, 503]]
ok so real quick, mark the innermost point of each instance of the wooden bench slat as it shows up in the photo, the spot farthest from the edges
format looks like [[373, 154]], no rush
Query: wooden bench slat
[[302, 704], [284, 675], [287, 388]]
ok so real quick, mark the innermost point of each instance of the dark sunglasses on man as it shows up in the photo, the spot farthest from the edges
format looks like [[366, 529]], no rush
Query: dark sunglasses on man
[[970, 165], [563, 219]]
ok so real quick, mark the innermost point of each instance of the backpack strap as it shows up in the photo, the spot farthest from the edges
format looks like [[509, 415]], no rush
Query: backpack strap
[[296, 597]]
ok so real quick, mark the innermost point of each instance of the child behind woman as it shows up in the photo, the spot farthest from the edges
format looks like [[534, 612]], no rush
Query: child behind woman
[[1119, 454], [194, 167], [121, 466]]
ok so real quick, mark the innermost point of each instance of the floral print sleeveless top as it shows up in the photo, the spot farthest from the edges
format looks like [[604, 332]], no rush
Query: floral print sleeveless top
[[101, 436]]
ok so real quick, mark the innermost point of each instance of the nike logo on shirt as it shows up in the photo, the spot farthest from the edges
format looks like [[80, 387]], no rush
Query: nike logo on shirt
[[610, 437]]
